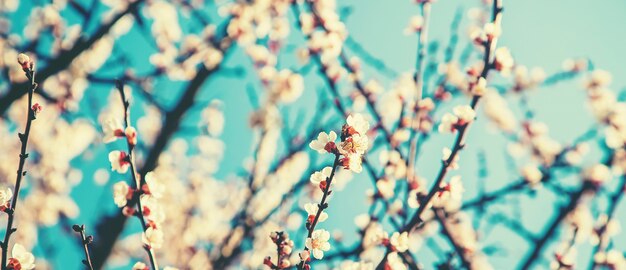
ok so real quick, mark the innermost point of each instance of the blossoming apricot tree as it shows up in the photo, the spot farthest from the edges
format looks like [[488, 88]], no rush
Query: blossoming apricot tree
[[336, 167]]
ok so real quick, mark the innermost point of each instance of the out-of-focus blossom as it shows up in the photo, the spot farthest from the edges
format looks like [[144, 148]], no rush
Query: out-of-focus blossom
[[498, 111], [612, 259], [394, 262], [581, 222], [131, 135], [121, 193], [597, 174], [532, 174], [599, 78], [480, 87], [350, 265], [492, 30], [5, 198], [357, 123], [449, 195], [463, 115], [152, 209], [503, 61], [153, 238], [415, 25], [140, 266], [288, 86], [400, 241], [153, 186], [112, 130]]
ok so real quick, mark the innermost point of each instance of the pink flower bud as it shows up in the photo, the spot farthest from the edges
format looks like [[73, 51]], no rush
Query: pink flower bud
[[36, 108]]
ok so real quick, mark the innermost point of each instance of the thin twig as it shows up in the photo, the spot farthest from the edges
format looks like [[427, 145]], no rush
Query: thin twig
[[85, 241], [321, 206], [459, 143], [30, 73], [138, 182]]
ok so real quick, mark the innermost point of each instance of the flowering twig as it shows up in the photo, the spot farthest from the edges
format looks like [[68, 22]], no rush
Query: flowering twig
[[173, 117], [284, 246], [85, 240], [310, 225], [28, 67], [459, 142], [138, 182]]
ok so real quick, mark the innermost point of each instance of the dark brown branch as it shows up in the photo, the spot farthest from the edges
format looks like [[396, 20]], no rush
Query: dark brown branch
[[30, 73], [321, 206]]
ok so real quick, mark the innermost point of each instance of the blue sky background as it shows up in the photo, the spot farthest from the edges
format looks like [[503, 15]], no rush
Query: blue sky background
[[538, 32]]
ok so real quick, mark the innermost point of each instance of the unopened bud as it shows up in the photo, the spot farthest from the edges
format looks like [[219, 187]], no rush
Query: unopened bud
[[23, 60]]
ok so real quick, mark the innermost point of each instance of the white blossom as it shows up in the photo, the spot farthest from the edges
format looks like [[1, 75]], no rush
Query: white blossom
[[119, 162], [311, 210], [318, 243], [320, 176], [21, 259], [324, 142]]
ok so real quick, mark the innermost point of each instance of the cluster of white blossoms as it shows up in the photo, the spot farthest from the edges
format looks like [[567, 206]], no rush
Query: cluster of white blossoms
[[498, 111], [461, 116], [394, 262], [284, 247], [325, 34], [348, 153], [146, 195], [612, 259], [353, 144], [543, 148], [611, 113], [399, 241], [503, 61], [450, 195], [525, 79]]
